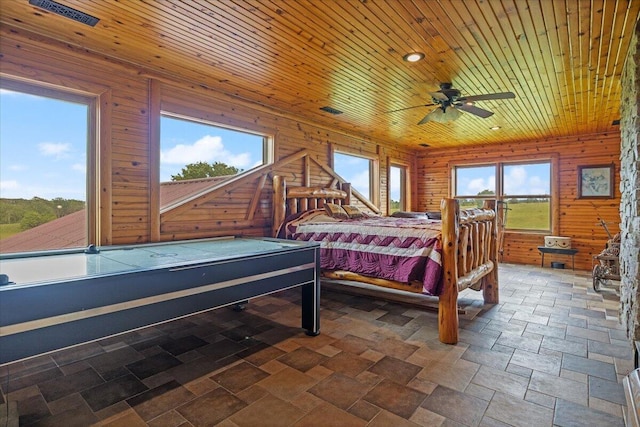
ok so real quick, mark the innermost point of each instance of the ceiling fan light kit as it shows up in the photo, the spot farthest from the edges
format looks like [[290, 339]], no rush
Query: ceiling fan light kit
[[441, 115]]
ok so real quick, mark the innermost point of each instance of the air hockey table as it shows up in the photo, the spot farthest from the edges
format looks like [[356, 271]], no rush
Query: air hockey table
[[57, 299]]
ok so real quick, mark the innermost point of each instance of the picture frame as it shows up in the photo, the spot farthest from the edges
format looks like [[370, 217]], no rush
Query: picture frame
[[596, 181]]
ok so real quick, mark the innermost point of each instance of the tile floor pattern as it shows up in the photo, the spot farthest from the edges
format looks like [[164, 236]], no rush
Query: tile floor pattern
[[551, 353]]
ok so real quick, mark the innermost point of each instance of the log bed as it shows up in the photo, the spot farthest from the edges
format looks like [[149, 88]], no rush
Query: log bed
[[468, 243]]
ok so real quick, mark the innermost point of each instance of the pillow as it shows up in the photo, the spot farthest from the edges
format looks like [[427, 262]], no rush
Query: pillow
[[353, 211], [403, 214], [336, 211], [291, 222], [434, 215]]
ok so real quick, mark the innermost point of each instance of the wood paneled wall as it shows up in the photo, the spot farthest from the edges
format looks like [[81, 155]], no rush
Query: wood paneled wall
[[577, 218], [128, 142], [127, 178]]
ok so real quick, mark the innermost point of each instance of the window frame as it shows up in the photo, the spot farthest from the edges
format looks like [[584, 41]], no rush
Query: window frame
[[405, 184], [268, 145], [189, 105], [374, 174], [500, 197], [96, 227]]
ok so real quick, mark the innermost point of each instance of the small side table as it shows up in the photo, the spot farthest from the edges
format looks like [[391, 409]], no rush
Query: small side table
[[545, 250]]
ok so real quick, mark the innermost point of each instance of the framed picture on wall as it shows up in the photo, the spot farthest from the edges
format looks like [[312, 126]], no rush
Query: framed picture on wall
[[596, 182]]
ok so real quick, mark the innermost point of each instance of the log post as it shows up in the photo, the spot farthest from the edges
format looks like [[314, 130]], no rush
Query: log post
[[448, 299], [463, 250], [346, 187], [490, 288], [279, 203]]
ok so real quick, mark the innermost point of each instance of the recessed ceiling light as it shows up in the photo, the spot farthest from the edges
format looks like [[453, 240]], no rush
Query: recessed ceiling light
[[413, 56], [494, 127]]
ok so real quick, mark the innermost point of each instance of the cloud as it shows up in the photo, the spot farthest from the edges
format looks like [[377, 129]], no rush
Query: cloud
[[17, 168], [9, 185], [79, 167], [207, 149], [47, 190], [515, 181], [6, 92], [14, 94], [58, 150], [349, 159], [518, 182], [360, 181], [477, 185], [538, 185]]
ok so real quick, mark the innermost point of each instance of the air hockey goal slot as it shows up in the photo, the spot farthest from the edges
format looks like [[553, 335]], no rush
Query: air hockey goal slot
[[92, 249], [4, 280]]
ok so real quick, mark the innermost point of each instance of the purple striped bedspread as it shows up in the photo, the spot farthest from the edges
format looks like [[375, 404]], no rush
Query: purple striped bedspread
[[400, 249]]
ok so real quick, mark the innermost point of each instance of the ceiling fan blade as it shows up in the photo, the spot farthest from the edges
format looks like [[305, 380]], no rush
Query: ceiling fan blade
[[439, 95], [426, 119], [409, 108], [475, 110], [489, 96]]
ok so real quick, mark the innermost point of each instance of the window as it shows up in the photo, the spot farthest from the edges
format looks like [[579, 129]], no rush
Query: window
[[398, 200], [190, 149], [474, 181], [44, 137], [527, 196], [356, 170], [524, 190]]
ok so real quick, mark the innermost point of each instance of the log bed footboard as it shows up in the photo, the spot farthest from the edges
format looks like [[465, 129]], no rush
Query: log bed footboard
[[469, 259], [469, 251]]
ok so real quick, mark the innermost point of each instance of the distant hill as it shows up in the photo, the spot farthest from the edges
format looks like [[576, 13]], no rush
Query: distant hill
[[69, 230], [16, 210]]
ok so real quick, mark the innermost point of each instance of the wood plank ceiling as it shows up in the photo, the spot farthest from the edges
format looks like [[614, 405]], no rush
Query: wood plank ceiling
[[562, 58]]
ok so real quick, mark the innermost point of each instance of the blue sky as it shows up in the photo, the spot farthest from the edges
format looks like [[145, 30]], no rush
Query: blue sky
[[42, 147], [354, 170]]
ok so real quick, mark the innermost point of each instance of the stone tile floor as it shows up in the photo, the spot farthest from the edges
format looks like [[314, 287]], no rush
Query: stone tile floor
[[551, 353]]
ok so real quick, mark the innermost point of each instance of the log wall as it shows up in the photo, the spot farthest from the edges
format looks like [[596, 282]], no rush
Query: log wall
[[576, 218]]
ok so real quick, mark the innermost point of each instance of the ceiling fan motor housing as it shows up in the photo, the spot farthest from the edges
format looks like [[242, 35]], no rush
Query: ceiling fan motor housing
[[449, 102], [448, 90]]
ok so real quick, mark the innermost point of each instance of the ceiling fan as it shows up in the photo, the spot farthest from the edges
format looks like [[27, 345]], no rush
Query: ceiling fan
[[450, 103]]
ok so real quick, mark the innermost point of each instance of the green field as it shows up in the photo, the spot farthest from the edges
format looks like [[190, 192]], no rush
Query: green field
[[7, 230], [524, 216]]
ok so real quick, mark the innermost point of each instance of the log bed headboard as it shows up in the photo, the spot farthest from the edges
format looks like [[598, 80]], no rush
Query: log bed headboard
[[287, 201]]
